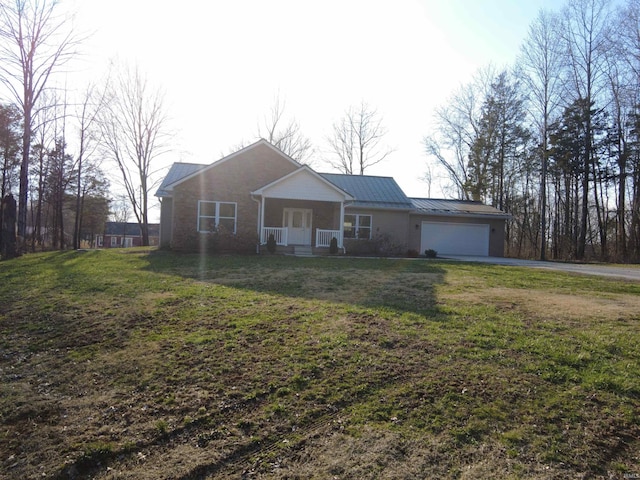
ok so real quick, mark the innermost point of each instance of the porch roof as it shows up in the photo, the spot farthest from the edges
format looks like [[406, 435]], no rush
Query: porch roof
[[304, 184]]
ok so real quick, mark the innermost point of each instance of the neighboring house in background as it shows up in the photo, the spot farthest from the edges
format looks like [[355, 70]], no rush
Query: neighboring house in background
[[261, 190], [120, 234]]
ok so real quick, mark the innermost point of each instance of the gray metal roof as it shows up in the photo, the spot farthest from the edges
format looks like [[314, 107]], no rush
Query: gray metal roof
[[455, 207], [371, 192], [177, 172], [368, 192]]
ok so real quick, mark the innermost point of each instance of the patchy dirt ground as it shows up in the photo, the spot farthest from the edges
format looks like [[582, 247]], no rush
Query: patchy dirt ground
[[307, 370]]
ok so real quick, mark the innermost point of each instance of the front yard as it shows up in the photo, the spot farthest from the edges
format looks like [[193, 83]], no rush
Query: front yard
[[144, 365]]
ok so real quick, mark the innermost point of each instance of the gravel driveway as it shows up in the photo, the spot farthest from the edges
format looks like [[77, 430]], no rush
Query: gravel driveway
[[631, 272]]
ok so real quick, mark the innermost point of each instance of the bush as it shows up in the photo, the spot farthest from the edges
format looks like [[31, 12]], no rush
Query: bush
[[224, 241], [333, 246], [430, 253], [380, 245], [271, 244]]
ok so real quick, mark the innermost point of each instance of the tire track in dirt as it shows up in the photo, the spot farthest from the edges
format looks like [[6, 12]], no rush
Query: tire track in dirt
[[239, 464], [95, 464], [196, 449]]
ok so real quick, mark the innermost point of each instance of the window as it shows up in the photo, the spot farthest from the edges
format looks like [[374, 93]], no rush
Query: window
[[357, 226], [114, 241], [213, 215], [99, 241]]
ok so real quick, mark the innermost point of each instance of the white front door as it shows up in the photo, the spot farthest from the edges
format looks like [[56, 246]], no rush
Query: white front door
[[298, 223]]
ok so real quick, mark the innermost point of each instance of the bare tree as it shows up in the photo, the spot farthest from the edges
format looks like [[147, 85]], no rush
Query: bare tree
[[35, 43], [456, 127], [585, 32], [87, 117], [357, 140], [540, 63], [43, 138], [134, 132], [287, 137]]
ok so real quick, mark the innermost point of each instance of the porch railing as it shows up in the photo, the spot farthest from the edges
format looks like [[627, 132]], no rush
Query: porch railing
[[279, 234], [323, 237]]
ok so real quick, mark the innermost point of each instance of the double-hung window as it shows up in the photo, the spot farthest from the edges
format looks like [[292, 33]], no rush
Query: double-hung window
[[357, 226], [215, 215]]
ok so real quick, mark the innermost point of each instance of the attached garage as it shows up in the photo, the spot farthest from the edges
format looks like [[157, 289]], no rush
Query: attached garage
[[455, 238], [456, 227]]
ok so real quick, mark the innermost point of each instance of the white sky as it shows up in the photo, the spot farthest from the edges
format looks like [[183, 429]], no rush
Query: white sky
[[222, 64]]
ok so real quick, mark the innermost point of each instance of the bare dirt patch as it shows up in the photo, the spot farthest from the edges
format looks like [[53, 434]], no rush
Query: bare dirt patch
[[546, 304]]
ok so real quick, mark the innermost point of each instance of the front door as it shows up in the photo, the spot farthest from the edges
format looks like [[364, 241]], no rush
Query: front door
[[298, 223]]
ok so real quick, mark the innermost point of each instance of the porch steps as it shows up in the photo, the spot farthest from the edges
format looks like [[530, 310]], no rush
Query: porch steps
[[302, 251]]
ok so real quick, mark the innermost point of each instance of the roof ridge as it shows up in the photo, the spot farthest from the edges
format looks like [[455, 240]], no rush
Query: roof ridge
[[356, 175]]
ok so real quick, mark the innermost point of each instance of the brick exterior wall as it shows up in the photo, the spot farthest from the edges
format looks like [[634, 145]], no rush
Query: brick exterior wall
[[230, 180]]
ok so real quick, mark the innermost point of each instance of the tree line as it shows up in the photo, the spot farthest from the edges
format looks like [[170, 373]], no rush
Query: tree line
[[554, 139], [63, 192]]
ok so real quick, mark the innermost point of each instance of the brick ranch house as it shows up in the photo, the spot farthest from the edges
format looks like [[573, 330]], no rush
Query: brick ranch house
[[261, 190]]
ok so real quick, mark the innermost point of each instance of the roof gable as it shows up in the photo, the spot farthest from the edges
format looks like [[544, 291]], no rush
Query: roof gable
[[169, 183], [304, 184]]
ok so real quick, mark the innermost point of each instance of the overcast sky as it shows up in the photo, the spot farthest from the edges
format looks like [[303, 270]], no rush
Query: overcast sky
[[222, 64]]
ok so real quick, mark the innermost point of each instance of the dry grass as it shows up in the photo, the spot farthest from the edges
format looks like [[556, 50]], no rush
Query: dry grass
[[149, 366]]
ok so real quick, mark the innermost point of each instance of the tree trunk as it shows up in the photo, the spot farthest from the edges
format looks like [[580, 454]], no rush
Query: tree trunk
[[584, 213], [8, 232], [24, 181]]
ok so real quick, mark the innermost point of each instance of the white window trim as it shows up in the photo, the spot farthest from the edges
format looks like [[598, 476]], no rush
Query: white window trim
[[216, 218], [114, 241], [356, 226]]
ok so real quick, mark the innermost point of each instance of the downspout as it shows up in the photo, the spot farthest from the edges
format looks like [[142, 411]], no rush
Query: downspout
[[259, 222]]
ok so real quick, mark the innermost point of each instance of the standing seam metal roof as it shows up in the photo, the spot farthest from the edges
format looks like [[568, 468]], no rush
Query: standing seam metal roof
[[454, 207], [368, 191], [175, 173]]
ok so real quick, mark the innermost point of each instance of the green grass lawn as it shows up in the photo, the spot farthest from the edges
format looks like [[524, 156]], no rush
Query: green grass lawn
[[144, 365]]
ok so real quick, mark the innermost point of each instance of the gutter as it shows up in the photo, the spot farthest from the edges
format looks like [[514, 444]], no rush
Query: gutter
[[503, 216]]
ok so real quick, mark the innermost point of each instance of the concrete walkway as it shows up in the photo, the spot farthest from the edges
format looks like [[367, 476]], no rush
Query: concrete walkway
[[631, 272]]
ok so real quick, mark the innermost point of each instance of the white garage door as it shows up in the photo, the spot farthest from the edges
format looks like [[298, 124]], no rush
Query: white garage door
[[455, 238]]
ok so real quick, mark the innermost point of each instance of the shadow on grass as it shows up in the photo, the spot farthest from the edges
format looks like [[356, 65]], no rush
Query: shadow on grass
[[403, 285]]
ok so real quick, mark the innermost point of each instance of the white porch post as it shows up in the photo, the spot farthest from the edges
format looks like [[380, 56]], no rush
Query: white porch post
[[262, 202], [341, 224]]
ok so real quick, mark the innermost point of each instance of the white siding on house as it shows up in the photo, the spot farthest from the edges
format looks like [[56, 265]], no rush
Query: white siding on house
[[303, 186]]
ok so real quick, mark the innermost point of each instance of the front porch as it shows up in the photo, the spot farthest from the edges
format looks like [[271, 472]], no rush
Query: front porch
[[281, 236], [301, 210], [301, 223]]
